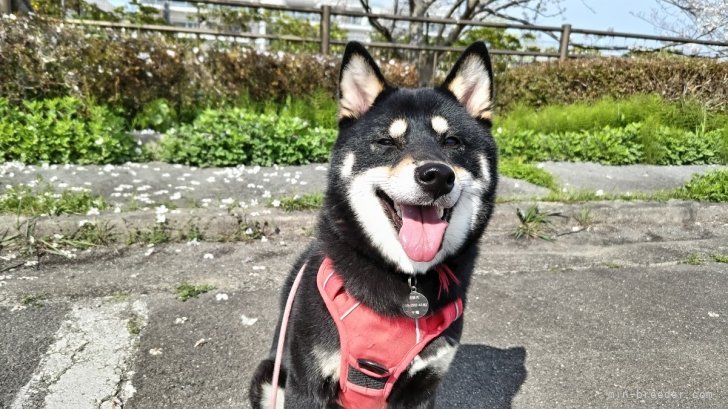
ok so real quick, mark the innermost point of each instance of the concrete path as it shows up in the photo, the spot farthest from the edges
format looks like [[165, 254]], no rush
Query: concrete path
[[626, 309], [141, 185]]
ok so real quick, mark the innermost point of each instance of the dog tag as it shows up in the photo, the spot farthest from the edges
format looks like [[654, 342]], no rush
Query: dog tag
[[416, 305]]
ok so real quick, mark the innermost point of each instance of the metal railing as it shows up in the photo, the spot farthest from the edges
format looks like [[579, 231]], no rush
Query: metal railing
[[325, 13]]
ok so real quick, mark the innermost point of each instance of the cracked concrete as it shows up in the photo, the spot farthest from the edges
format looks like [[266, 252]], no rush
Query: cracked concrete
[[89, 360]]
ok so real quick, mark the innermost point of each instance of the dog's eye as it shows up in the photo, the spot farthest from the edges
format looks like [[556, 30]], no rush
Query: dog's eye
[[451, 141], [385, 142]]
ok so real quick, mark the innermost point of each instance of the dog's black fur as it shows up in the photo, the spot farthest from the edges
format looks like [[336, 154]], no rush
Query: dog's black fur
[[368, 275]]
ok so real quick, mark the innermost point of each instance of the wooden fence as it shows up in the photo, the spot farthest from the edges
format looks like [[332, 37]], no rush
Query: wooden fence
[[325, 13]]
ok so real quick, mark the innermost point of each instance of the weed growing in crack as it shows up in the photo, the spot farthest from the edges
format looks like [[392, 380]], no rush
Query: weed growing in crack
[[693, 259], [191, 232], [534, 224], [157, 234], [299, 203], [134, 325], [584, 218], [91, 234], [720, 258], [185, 291], [33, 300]]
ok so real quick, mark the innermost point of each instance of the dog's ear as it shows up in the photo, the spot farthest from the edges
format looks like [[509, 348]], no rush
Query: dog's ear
[[360, 81], [471, 81]]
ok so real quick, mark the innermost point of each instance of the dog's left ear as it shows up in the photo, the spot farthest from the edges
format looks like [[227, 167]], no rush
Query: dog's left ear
[[360, 81], [471, 81]]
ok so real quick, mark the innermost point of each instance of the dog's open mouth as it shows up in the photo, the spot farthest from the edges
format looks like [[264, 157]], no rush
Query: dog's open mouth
[[421, 228]]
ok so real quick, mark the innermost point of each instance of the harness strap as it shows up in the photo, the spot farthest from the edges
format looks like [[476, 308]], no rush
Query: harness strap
[[375, 349], [282, 335]]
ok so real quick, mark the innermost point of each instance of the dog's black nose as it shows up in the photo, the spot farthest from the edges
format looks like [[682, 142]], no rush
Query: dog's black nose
[[435, 178]]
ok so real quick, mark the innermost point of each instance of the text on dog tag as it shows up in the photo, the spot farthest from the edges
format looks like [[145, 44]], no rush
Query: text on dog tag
[[416, 305]]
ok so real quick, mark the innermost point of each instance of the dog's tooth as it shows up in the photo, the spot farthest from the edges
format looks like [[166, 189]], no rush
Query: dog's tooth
[[398, 209], [440, 212]]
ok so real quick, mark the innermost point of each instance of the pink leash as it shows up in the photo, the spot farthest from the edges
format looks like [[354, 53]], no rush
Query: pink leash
[[282, 336]]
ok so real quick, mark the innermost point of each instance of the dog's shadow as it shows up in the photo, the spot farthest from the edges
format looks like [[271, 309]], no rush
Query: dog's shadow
[[483, 377]]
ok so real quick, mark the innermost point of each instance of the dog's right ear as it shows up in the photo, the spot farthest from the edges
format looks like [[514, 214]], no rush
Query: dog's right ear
[[360, 81]]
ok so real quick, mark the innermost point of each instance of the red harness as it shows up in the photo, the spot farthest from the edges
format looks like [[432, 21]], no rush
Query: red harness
[[375, 349]]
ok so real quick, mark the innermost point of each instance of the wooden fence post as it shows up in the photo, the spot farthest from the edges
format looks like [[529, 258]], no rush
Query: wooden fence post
[[564, 43], [5, 7], [325, 29]]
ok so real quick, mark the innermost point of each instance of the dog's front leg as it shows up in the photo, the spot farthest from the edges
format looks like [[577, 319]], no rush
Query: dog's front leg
[[415, 392]]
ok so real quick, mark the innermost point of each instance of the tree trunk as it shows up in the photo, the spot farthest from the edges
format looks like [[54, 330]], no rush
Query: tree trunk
[[20, 6]]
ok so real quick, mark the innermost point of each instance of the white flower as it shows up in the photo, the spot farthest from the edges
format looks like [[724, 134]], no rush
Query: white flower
[[264, 239], [171, 53], [258, 267], [155, 351], [99, 141], [31, 263], [92, 212], [149, 252], [161, 218], [276, 203], [600, 192], [143, 56], [180, 320], [248, 231], [221, 297], [175, 196], [193, 242], [208, 256], [712, 314]]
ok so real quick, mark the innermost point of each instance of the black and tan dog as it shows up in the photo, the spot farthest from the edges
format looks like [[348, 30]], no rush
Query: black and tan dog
[[411, 188]]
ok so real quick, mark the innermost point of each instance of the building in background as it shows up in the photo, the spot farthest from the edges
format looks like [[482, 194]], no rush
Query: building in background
[[184, 14]]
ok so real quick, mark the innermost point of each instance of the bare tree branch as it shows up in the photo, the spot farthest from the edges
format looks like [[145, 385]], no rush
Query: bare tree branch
[[387, 33]]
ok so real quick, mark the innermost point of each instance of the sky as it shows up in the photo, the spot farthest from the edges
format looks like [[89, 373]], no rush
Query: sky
[[617, 15], [596, 14]]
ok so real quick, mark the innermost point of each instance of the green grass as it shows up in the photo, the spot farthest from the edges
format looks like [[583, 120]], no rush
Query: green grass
[[157, 234], [26, 201], [134, 325], [720, 258], [33, 300], [709, 187], [640, 129], [185, 291], [298, 203], [686, 115], [516, 168], [693, 259], [580, 196]]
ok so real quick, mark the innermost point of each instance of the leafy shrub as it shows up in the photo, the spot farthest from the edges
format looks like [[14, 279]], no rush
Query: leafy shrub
[[617, 146], [63, 130], [318, 108], [157, 115], [588, 79], [709, 187], [236, 136], [639, 129], [130, 69]]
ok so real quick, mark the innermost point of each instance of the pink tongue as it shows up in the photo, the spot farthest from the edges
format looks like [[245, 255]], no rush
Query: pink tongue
[[421, 233]]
